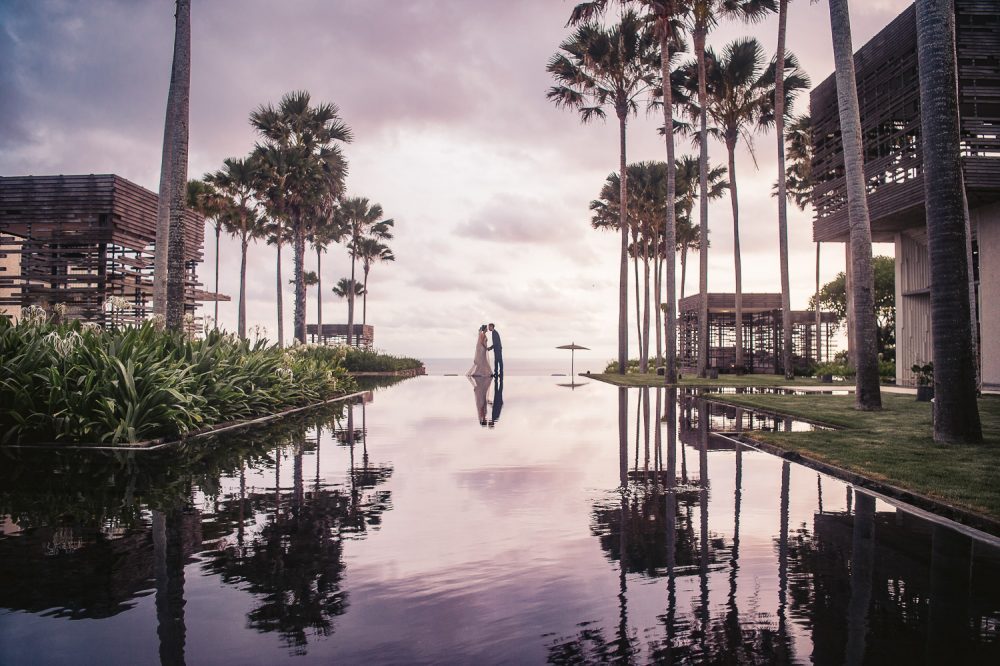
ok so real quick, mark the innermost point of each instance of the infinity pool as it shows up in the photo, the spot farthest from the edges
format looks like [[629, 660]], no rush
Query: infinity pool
[[442, 521]]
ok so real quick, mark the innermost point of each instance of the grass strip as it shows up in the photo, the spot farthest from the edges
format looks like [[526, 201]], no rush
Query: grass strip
[[893, 446]]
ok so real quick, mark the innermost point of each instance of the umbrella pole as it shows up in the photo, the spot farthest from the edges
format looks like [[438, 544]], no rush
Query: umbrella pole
[[572, 359]]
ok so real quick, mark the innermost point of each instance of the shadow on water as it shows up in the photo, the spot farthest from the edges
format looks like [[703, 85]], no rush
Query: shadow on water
[[91, 532], [862, 586]]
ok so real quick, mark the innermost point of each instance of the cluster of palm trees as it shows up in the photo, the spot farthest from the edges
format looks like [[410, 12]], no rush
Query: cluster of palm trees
[[290, 190], [730, 96]]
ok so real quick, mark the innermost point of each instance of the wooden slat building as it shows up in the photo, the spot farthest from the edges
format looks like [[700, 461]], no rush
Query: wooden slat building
[[889, 97], [762, 333], [78, 240]]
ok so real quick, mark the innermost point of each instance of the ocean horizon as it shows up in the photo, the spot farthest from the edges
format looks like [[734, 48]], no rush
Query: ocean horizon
[[525, 367]]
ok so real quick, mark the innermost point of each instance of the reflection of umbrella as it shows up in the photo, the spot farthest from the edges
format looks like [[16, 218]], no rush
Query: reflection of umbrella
[[573, 385], [572, 347]]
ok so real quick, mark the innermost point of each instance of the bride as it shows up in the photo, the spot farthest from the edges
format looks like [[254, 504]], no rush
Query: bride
[[480, 364]]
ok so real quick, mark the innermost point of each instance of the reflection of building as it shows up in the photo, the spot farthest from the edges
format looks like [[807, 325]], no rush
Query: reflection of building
[[889, 97], [762, 333], [899, 621], [78, 240]]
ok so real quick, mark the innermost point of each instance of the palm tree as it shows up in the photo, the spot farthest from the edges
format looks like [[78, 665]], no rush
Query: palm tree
[[277, 235], [235, 183], [740, 92], [666, 15], [326, 229], [798, 185], [598, 67], [168, 268], [344, 290], [305, 169], [688, 235], [956, 411], [202, 198], [362, 219], [867, 395], [371, 251], [703, 17]]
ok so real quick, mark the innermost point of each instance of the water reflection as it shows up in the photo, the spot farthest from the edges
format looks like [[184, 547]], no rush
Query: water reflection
[[840, 596], [609, 525], [86, 547]]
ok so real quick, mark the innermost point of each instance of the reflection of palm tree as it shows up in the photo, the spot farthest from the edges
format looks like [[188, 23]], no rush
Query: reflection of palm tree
[[862, 560], [783, 560]]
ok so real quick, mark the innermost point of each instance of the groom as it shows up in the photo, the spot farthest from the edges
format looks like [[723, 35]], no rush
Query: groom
[[497, 348]]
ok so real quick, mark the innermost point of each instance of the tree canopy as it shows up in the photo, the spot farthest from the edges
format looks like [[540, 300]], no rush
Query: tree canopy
[[833, 297]]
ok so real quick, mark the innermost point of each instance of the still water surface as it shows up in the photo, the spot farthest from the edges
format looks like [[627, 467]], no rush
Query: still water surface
[[441, 522]]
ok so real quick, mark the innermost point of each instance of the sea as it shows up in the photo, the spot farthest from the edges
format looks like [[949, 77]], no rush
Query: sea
[[525, 367]]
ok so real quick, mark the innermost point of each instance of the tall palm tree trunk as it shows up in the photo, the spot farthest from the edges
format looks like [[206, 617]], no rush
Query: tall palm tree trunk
[[956, 410], [699, 47], [278, 296], [644, 359], [241, 326], [176, 137], [684, 268], [779, 130], [657, 300], [350, 304], [298, 259], [670, 230], [364, 300], [319, 297], [638, 309], [218, 231], [737, 260], [867, 395], [623, 267]]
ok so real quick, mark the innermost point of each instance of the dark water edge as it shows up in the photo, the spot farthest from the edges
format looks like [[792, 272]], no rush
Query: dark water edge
[[440, 520]]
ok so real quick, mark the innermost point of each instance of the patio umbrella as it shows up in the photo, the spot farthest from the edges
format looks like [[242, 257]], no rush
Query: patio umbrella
[[572, 347]]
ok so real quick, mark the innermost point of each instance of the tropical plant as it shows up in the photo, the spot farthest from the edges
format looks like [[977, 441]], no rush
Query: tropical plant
[[168, 268], [598, 67], [68, 382], [234, 183], [953, 318], [867, 395], [277, 235], [303, 169], [702, 18], [361, 219], [688, 234], [667, 26], [204, 200], [344, 289], [833, 297], [370, 251], [327, 229]]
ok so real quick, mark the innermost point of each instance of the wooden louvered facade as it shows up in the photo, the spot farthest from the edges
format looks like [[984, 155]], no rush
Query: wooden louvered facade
[[78, 240], [762, 333], [889, 99]]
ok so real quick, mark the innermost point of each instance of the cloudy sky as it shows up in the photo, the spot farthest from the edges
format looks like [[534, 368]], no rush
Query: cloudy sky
[[487, 181]]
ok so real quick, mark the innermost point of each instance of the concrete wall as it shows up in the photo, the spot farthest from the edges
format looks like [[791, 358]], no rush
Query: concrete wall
[[986, 220], [913, 305]]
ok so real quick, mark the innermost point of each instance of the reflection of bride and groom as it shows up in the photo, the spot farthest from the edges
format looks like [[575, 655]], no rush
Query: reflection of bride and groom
[[479, 375]]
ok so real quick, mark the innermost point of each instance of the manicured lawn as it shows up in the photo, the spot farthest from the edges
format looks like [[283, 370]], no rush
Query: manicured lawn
[[894, 446]]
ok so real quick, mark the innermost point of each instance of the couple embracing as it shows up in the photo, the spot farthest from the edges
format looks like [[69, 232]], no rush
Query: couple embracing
[[480, 363]]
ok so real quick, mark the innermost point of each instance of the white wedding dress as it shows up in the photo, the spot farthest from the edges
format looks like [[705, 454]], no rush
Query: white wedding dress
[[480, 364]]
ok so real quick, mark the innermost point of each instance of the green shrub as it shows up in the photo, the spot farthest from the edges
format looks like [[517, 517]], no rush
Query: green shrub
[[77, 383], [366, 360], [837, 369]]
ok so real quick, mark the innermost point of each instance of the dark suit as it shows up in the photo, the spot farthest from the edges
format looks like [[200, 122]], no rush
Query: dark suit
[[497, 401], [497, 353]]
